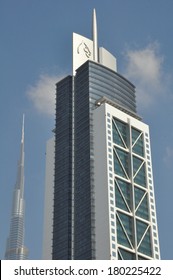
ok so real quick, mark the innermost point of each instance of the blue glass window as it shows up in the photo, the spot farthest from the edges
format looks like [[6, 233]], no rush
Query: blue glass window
[[138, 195], [126, 191], [119, 133], [120, 203], [141, 228], [125, 255], [145, 246], [143, 209], [140, 177], [121, 237], [137, 140], [121, 163]]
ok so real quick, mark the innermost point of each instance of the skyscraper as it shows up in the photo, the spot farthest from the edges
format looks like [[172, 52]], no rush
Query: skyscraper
[[15, 249], [104, 205]]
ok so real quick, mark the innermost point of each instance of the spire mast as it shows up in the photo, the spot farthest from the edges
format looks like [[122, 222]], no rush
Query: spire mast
[[95, 39], [23, 126], [20, 171]]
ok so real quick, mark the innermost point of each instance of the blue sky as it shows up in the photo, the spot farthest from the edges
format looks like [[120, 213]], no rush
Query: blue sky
[[36, 51]]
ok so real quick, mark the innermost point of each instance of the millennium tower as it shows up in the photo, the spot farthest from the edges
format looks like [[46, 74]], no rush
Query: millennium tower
[[104, 205], [15, 249]]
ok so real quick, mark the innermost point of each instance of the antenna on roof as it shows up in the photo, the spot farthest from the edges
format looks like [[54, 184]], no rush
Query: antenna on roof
[[95, 40]]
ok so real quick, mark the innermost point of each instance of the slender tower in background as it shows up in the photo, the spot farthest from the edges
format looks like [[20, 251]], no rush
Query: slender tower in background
[[15, 249]]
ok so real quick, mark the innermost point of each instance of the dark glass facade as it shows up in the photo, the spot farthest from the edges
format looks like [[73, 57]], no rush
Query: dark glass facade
[[62, 217], [102, 81]]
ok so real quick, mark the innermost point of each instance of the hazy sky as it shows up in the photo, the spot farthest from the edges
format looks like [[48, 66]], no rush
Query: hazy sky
[[36, 51]]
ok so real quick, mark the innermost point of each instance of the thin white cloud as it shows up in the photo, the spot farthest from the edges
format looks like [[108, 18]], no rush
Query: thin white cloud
[[145, 68], [168, 158], [42, 94]]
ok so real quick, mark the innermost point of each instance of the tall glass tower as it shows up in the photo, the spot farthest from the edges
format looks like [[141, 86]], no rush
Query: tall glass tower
[[104, 205], [15, 249]]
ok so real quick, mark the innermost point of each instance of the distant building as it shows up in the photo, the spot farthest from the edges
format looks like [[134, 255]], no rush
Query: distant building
[[104, 206], [15, 249]]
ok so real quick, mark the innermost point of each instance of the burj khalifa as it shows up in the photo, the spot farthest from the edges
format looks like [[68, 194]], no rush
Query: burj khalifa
[[15, 249]]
